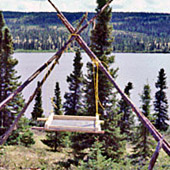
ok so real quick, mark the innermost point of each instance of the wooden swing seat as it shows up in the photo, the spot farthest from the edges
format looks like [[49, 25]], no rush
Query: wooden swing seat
[[85, 124]]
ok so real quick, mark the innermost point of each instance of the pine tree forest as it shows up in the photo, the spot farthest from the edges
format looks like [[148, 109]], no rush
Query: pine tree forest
[[126, 143]]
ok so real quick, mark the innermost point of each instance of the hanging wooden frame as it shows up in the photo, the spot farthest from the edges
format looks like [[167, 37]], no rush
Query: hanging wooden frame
[[65, 123]]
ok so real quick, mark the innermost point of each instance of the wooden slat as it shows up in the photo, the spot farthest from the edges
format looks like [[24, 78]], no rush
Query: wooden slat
[[68, 130], [74, 129], [37, 128], [42, 119], [50, 119], [74, 123], [66, 117]]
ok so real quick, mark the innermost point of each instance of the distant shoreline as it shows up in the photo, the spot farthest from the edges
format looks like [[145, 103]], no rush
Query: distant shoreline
[[54, 51]]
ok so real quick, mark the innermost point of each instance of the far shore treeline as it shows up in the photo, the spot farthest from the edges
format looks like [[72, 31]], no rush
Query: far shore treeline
[[132, 32]]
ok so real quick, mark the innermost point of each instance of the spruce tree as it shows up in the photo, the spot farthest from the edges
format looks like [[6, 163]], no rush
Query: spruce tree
[[101, 44], [126, 123], [72, 105], [37, 110], [2, 23], [113, 142], [161, 102], [8, 77], [55, 140], [57, 106], [101, 40], [144, 141], [26, 136], [95, 159]]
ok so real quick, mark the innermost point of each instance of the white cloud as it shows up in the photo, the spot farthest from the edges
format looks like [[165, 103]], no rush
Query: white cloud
[[85, 5]]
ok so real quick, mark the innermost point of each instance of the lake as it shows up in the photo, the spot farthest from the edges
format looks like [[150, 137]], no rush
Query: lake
[[136, 68]]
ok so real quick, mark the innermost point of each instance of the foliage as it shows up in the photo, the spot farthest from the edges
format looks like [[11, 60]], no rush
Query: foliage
[[95, 159], [57, 106], [134, 32], [72, 105], [37, 109], [112, 140], [144, 142], [8, 80], [27, 138], [126, 122], [101, 40], [38, 156], [22, 134], [161, 102], [26, 135], [56, 140]]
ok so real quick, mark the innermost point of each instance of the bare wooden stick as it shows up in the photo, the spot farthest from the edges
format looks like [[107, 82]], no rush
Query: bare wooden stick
[[42, 119], [155, 155], [144, 120], [49, 121], [66, 117]]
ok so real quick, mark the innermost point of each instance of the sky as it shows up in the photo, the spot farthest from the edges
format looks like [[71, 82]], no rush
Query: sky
[[85, 5]]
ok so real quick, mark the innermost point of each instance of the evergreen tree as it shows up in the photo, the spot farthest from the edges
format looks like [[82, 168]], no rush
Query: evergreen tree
[[144, 143], [26, 135], [161, 103], [72, 105], [8, 78], [37, 110], [57, 100], [101, 40], [55, 140], [112, 141], [126, 123], [95, 159], [2, 23], [27, 138], [22, 135]]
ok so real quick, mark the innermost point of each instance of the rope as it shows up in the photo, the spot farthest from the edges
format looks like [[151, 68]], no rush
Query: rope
[[52, 102], [69, 46], [95, 77], [96, 86], [77, 28]]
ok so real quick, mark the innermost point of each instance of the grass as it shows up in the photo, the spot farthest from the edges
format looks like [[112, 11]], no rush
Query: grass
[[39, 156], [36, 156]]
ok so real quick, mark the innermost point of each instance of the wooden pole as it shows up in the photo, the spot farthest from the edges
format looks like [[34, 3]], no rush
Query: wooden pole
[[56, 57], [144, 120], [155, 155]]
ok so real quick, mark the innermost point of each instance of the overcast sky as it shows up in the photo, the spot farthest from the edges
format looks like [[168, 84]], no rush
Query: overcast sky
[[85, 5]]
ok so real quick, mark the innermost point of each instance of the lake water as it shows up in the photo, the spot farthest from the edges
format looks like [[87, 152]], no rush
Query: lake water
[[136, 68]]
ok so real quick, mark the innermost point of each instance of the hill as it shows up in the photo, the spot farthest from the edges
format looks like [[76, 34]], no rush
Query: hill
[[132, 32], [39, 156]]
